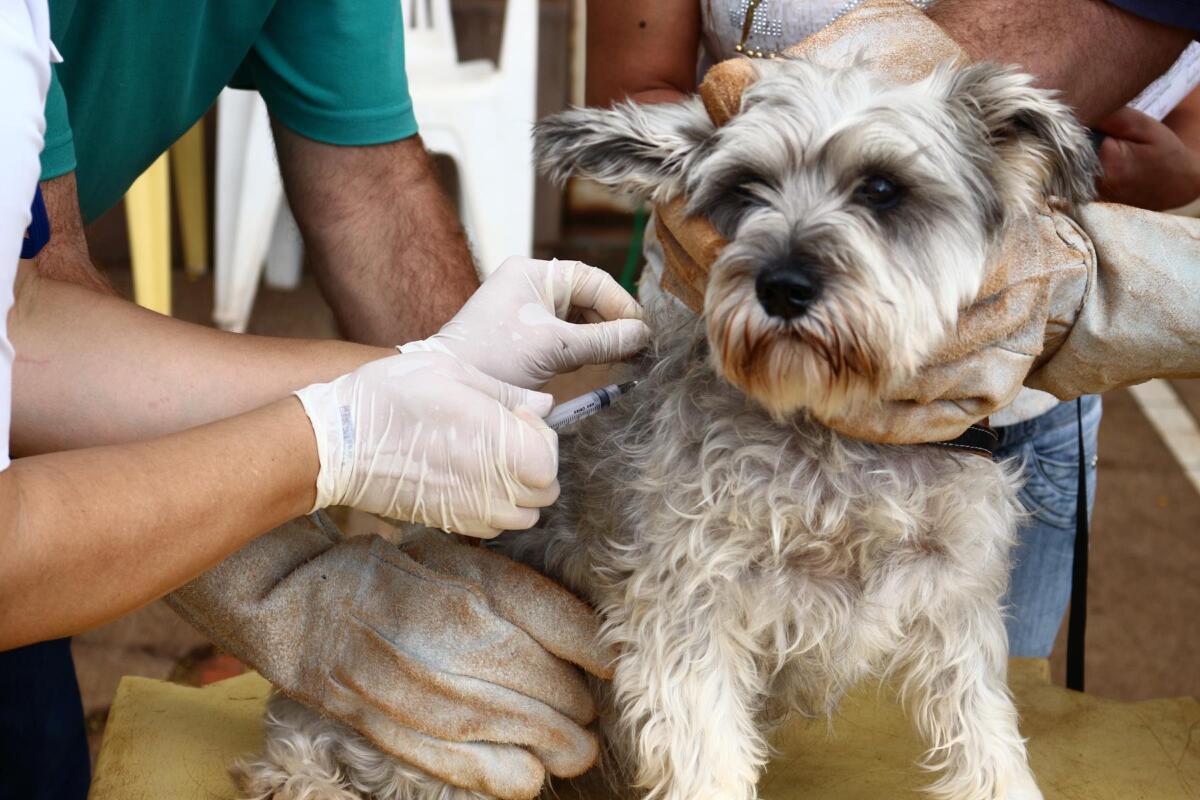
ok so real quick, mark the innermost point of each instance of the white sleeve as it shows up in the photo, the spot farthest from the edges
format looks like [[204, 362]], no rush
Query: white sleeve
[[25, 67], [1159, 98]]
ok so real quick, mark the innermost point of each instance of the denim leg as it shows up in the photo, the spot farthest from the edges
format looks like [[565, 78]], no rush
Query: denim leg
[[1040, 583], [43, 744]]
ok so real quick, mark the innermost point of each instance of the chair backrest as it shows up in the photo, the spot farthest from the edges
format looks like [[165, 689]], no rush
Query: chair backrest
[[519, 44], [428, 34]]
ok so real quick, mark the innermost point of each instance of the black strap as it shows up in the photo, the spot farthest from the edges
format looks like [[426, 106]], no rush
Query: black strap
[[979, 439], [1077, 622]]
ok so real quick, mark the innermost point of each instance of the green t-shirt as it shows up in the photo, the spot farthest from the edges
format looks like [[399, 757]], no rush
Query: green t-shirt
[[136, 75]]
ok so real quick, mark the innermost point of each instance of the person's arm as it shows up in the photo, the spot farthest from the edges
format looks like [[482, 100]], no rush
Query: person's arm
[[96, 370], [387, 248], [65, 257], [91, 534], [645, 52], [110, 528], [1099, 56]]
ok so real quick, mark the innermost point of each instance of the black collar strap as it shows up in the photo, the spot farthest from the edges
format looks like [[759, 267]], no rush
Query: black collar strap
[[979, 439]]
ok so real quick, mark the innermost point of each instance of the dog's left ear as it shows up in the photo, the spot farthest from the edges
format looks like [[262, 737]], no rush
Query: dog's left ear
[[643, 151], [1037, 145]]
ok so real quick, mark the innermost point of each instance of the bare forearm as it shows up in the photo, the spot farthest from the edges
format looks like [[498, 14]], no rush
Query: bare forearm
[[1097, 55], [383, 239], [89, 535], [95, 370]]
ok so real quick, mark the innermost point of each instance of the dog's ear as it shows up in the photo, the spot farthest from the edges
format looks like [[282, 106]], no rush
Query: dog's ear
[[1039, 147], [640, 150]]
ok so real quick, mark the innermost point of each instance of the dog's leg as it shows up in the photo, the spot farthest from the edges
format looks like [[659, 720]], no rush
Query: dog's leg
[[953, 664], [688, 690]]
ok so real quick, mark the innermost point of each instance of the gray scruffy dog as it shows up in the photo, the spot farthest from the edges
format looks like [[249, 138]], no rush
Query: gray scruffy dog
[[749, 562]]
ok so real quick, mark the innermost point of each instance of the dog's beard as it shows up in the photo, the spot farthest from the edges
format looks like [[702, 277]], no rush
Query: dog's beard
[[829, 361], [879, 320]]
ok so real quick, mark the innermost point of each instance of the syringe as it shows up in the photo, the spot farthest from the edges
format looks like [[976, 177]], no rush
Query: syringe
[[584, 406]]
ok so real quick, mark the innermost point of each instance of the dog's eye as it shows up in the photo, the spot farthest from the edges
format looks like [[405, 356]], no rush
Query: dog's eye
[[879, 193]]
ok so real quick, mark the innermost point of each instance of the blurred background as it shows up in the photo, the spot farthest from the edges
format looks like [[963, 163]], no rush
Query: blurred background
[[1144, 586]]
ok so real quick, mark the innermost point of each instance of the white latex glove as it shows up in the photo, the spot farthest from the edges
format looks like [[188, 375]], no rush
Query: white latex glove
[[515, 327], [425, 438]]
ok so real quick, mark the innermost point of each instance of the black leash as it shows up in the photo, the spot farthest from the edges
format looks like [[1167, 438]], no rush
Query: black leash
[[1077, 622]]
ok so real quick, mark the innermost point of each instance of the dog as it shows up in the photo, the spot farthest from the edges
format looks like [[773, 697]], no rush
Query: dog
[[750, 563]]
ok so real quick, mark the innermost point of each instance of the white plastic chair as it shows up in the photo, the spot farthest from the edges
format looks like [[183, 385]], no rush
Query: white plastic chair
[[480, 116], [429, 35], [477, 113], [249, 198]]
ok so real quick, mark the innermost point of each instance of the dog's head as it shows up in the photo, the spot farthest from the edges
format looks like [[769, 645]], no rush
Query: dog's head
[[859, 214]]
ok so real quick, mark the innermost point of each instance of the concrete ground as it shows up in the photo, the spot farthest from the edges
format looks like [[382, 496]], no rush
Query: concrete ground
[[1144, 603]]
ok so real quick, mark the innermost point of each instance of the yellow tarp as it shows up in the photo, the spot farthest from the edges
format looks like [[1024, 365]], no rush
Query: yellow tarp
[[168, 741]]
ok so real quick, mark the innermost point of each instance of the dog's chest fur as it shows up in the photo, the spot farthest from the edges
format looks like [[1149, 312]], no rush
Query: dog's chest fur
[[687, 499]]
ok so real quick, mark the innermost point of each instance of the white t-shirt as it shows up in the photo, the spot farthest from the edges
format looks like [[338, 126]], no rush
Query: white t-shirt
[[25, 54]]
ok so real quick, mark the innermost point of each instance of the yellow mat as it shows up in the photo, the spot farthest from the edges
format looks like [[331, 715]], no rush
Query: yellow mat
[[169, 741]]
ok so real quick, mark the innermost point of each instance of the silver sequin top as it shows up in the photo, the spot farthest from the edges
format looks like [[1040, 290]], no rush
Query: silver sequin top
[[777, 24]]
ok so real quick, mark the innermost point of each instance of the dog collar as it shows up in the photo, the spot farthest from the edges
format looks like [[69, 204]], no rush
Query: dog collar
[[980, 439]]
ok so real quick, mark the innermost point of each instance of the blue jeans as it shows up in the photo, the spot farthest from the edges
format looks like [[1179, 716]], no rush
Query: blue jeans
[[1040, 585], [43, 744]]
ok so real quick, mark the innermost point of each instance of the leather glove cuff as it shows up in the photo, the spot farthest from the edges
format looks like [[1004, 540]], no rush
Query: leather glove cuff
[[1140, 315]]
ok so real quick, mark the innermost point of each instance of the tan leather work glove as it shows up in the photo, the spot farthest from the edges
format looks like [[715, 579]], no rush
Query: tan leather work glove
[[1100, 299], [454, 659]]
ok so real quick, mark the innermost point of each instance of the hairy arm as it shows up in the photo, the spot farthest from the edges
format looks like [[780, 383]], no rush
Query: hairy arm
[[65, 257], [1096, 54], [380, 234], [649, 50], [92, 369]]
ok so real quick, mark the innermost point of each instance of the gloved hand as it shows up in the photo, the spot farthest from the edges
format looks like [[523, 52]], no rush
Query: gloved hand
[[451, 658], [1140, 316], [516, 327], [425, 438], [1102, 298], [1078, 305]]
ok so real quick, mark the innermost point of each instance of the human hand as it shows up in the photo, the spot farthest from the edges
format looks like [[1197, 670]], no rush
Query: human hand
[[426, 438], [454, 659], [518, 327], [1145, 163]]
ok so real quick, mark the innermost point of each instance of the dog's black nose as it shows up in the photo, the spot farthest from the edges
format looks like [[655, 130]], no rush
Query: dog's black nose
[[787, 291]]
